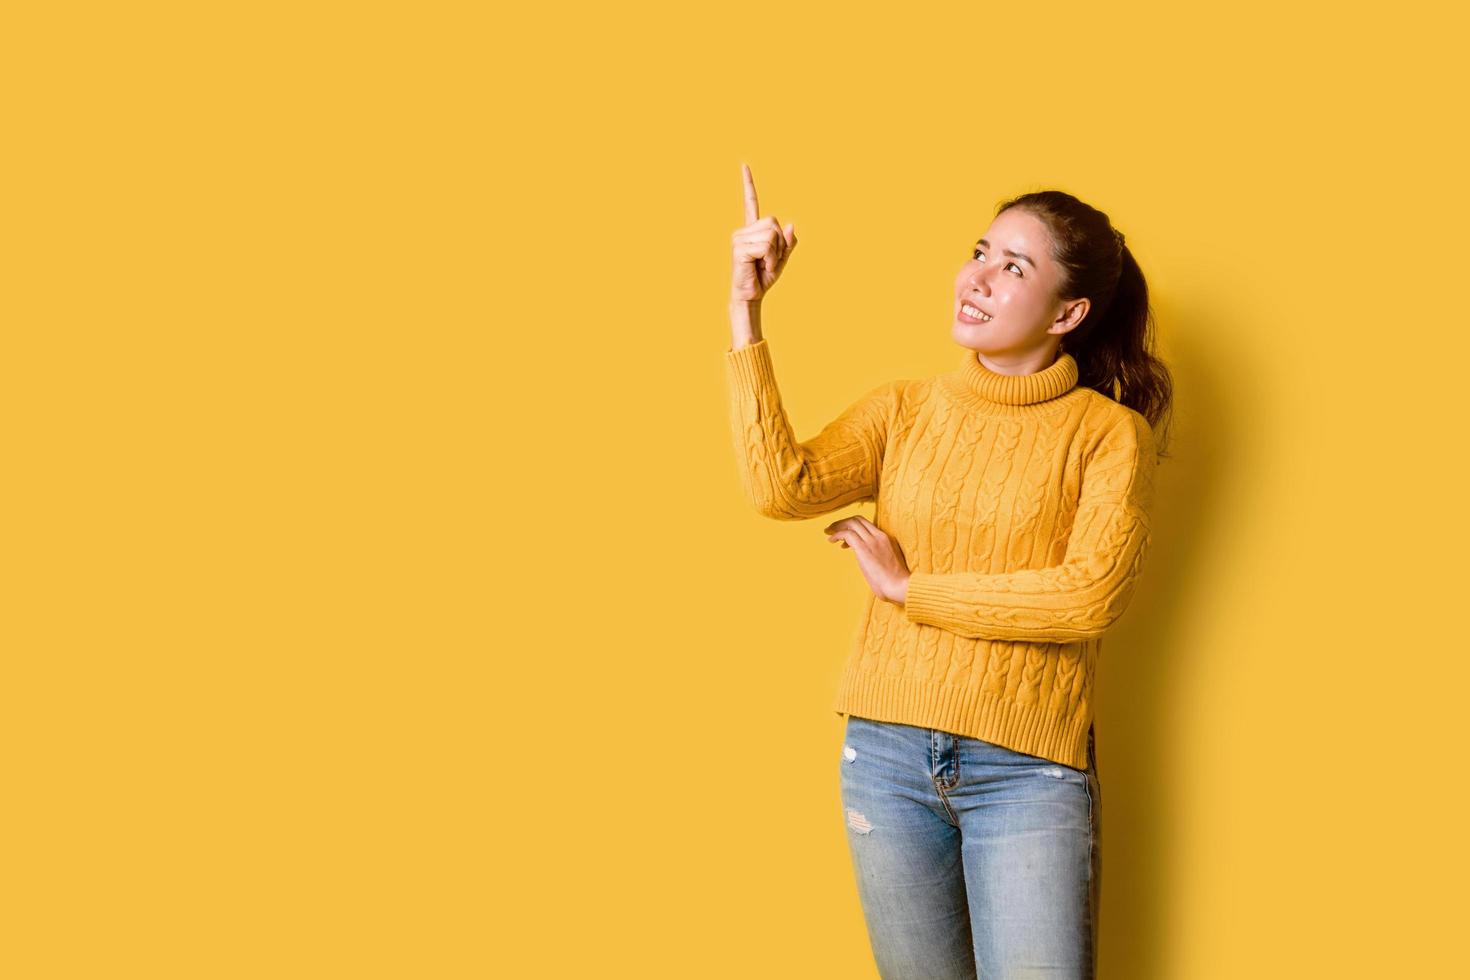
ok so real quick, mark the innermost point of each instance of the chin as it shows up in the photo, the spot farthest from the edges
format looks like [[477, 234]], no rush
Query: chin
[[970, 335]]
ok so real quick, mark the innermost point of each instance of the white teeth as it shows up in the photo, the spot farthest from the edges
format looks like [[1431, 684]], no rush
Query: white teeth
[[973, 313]]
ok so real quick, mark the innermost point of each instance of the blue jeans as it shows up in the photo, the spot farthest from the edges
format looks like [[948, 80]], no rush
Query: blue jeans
[[972, 860]]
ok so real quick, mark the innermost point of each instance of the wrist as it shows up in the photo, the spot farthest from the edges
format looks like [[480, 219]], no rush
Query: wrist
[[745, 321]]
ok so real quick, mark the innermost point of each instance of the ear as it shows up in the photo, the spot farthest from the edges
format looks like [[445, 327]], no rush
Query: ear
[[1071, 316]]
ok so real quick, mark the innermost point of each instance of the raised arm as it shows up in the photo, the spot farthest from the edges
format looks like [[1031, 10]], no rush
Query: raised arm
[[790, 480], [1080, 598], [783, 478]]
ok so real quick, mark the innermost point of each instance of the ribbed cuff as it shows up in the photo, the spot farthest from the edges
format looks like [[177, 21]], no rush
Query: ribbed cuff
[[750, 367], [929, 600]]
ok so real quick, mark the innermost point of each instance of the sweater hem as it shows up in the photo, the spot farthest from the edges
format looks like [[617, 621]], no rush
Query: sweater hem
[[1024, 728]]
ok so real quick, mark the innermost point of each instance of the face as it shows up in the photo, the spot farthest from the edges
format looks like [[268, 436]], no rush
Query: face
[[1012, 278]]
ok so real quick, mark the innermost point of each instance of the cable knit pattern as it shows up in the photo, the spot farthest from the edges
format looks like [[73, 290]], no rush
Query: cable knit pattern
[[1021, 505]]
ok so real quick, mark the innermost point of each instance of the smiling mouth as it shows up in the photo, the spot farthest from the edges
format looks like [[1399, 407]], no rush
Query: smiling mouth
[[971, 313]]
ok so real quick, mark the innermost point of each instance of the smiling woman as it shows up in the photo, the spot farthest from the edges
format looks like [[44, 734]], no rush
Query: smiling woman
[[1004, 286], [1011, 523]]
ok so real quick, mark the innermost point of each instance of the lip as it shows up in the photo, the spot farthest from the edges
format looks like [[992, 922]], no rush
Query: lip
[[967, 319]]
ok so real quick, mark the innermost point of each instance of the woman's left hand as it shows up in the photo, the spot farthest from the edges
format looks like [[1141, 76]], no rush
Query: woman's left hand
[[878, 556]]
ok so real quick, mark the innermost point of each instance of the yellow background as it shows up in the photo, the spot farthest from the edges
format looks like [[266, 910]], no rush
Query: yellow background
[[380, 599]]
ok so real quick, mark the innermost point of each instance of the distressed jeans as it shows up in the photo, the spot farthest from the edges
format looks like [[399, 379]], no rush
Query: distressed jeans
[[972, 860]]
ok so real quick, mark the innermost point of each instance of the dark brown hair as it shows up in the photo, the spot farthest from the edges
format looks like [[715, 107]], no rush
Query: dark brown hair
[[1114, 343]]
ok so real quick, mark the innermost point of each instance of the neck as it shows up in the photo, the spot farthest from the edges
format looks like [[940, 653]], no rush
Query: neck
[[1001, 393], [1025, 364]]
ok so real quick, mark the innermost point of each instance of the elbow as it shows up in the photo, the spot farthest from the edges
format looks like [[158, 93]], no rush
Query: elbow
[[766, 498], [775, 512], [784, 511], [1097, 619], [796, 505], [762, 497], [773, 506], [1103, 603], [1092, 629]]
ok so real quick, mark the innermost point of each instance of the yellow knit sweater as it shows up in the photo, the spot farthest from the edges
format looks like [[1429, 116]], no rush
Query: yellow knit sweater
[[1020, 503]]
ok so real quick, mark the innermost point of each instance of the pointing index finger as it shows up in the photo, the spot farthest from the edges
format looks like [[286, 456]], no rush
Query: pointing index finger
[[752, 209]]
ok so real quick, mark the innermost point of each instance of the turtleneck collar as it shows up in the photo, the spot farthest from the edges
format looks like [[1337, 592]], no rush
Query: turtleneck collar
[[1014, 394]]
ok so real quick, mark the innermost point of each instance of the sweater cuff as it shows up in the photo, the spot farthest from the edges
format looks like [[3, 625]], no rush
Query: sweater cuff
[[750, 366], [929, 600]]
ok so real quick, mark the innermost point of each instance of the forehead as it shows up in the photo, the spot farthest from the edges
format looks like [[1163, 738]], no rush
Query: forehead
[[1019, 230]]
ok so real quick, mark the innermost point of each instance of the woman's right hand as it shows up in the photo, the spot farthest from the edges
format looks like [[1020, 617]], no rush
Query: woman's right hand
[[761, 248]]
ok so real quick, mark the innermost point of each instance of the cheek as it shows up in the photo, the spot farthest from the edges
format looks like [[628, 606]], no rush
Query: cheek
[[1014, 295]]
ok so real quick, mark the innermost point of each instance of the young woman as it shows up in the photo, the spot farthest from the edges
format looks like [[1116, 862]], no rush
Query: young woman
[[1010, 525]]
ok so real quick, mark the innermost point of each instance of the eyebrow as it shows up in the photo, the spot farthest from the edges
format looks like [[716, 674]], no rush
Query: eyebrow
[[1014, 255]]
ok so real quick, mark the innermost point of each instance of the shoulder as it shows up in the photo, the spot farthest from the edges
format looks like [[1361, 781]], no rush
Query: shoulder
[[1109, 423], [1119, 457]]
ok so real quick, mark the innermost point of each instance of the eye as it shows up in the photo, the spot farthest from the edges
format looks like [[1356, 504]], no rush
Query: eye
[[977, 253]]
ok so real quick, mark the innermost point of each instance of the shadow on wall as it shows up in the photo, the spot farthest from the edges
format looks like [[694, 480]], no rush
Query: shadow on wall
[[1145, 656]]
